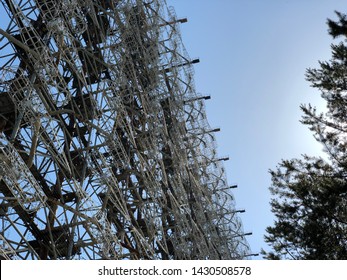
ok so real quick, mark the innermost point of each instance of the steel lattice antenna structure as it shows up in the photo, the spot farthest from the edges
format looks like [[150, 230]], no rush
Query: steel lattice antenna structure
[[106, 152]]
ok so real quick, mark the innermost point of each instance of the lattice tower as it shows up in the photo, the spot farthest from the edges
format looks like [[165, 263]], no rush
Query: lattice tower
[[106, 152]]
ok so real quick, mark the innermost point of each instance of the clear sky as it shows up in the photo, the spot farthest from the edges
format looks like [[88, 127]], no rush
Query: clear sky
[[253, 55]]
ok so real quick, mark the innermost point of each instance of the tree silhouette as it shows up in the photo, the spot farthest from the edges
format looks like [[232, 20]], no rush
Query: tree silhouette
[[310, 194]]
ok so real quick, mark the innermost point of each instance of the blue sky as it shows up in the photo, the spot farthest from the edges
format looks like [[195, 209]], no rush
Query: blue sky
[[253, 55]]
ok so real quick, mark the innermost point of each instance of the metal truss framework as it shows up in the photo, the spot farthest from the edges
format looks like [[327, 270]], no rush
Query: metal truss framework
[[105, 149]]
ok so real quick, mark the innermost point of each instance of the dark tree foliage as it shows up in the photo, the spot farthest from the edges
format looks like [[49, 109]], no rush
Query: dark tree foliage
[[310, 194]]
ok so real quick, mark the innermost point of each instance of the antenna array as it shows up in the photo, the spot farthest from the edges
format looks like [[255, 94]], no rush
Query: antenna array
[[106, 152]]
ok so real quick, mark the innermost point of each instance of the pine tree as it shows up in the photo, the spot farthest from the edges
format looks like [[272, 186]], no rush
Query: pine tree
[[310, 194]]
